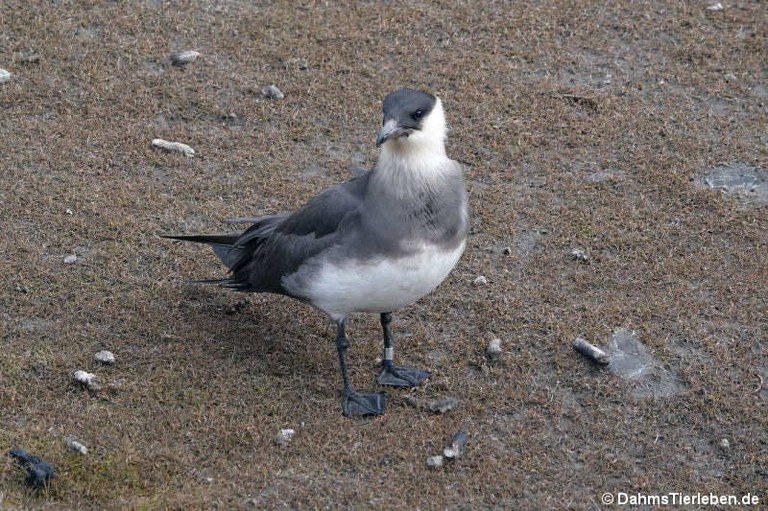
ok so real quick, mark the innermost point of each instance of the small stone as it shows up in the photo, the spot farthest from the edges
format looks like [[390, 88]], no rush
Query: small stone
[[4, 75], [29, 58], [443, 405], [183, 58], [494, 348], [456, 449], [730, 77], [439, 406], [580, 255], [76, 446], [68, 211], [506, 251], [480, 281], [724, 443], [174, 146], [105, 357], [272, 92], [716, 7], [591, 351], [285, 436], [84, 378], [435, 461], [21, 288], [70, 259]]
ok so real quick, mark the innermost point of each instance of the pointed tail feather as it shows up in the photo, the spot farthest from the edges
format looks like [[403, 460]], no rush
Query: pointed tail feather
[[222, 245], [211, 239]]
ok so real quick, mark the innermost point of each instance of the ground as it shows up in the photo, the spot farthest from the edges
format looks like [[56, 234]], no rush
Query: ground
[[580, 125]]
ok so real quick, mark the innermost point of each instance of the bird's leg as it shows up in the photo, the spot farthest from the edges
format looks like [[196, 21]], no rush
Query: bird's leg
[[393, 375], [353, 403]]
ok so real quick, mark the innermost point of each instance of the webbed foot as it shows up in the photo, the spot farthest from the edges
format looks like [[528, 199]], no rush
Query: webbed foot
[[396, 376], [355, 404]]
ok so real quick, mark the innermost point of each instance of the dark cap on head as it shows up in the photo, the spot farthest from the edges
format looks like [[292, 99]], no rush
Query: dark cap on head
[[406, 109]]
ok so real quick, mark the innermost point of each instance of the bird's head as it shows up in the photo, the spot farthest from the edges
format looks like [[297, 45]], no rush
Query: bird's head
[[412, 120]]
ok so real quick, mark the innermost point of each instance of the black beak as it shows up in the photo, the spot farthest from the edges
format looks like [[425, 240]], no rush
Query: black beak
[[391, 130]]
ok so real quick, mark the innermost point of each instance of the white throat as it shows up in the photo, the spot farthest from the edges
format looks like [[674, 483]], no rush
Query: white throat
[[417, 161]]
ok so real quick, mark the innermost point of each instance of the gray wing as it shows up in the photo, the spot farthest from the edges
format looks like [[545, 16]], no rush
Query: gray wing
[[277, 246]]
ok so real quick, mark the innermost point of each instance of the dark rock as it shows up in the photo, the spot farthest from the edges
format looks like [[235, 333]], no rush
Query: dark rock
[[38, 471]]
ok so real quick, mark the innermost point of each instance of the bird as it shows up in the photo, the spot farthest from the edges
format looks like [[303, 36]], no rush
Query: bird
[[374, 244]]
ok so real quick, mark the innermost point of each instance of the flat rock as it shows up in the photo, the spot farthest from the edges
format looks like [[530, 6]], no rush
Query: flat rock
[[743, 182], [631, 360]]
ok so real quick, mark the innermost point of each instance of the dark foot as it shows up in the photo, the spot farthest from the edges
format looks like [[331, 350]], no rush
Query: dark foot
[[395, 376], [360, 405]]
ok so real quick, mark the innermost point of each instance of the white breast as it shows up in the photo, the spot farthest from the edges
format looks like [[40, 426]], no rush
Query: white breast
[[380, 285]]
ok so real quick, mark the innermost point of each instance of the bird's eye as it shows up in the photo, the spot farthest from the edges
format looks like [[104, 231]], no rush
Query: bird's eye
[[417, 115]]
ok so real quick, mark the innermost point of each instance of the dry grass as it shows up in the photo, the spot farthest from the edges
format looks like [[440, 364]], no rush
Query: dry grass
[[188, 415]]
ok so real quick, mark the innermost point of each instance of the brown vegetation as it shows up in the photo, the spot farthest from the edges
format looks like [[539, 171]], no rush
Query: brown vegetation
[[581, 126]]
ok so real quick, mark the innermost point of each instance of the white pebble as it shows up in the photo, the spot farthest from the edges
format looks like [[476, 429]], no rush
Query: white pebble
[[724, 443], [84, 378], [443, 405], [174, 146], [494, 347], [456, 449], [435, 461], [272, 92], [70, 259], [730, 77], [580, 255], [716, 7], [183, 58], [285, 436], [77, 446], [480, 281], [69, 211], [105, 357], [4, 75]]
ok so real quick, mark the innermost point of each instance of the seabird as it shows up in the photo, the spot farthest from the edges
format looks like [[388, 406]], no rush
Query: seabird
[[374, 244]]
